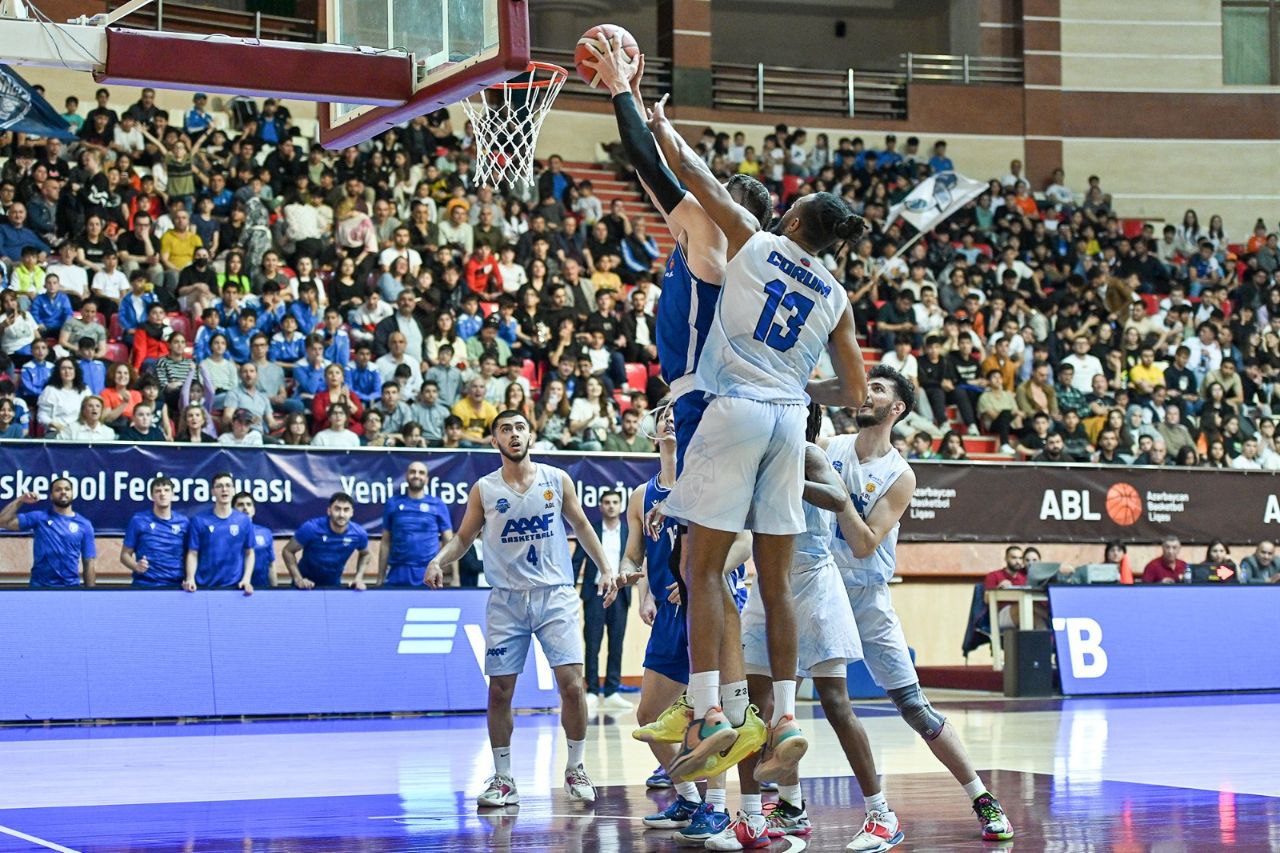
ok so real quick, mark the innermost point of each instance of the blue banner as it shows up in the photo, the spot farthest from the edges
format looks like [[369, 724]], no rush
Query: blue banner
[[70, 655], [23, 110], [289, 485], [1165, 638]]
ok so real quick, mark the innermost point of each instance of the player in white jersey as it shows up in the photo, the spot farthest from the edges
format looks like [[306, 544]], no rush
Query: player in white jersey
[[779, 310], [880, 484], [521, 509], [828, 641]]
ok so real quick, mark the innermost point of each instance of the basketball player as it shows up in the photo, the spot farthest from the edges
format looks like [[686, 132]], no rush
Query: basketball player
[[828, 641], [744, 467], [880, 484], [663, 711], [685, 312], [521, 509]]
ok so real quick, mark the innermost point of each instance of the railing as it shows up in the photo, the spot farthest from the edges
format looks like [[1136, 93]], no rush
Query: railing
[[656, 82], [191, 18], [768, 88], [945, 68]]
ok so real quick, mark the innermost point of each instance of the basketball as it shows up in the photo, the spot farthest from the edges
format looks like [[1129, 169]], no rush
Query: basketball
[[1124, 505], [608, 31]]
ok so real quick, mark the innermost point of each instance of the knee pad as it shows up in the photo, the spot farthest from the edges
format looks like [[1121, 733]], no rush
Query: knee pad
[[833, 668], [916, 710]]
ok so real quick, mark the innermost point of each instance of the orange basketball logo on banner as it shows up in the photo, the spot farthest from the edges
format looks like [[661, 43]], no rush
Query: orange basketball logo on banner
[[1124, 504]]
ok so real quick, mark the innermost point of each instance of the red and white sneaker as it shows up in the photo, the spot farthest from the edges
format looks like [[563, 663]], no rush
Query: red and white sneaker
[[499, 791], [881, 831], [746, 832]]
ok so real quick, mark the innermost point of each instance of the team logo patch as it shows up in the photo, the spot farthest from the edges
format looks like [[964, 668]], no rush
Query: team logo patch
[[548, 495], [497, 652], [422, 507], [871, 487], [73, 527], [235, 530], [175, 528], [260, 541], [838, 465], [503, 505]]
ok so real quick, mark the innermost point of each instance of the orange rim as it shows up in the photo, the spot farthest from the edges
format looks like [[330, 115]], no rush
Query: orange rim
[[554, 70]]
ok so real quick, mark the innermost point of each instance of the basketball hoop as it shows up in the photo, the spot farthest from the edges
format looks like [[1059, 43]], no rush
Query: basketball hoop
[[506, 119]]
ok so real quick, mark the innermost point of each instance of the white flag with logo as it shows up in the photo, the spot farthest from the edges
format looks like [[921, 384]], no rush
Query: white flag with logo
[[935, 199]]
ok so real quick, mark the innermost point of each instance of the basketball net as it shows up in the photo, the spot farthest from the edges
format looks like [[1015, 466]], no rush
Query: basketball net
[[506, 120]]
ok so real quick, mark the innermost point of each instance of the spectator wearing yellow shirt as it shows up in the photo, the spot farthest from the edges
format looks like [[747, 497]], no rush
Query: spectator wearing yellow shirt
[[477, 414], [604, 278], [177, 248], [1146, 374], [28, 276], [750, 165]]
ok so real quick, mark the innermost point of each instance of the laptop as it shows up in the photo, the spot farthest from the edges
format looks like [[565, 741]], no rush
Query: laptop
[[1040, 574]]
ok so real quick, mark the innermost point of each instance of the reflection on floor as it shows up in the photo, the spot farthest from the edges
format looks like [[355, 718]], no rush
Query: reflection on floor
[[1114, 774]]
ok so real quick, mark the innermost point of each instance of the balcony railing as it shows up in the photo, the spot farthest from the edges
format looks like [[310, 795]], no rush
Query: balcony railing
[[769, 88], [192, 18], [943, 68]]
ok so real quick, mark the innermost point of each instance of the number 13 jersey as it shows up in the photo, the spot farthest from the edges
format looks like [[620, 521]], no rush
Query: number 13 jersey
[[777, 309], [525, 543]]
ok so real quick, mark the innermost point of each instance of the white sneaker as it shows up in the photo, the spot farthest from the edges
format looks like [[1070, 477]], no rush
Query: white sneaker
[[973, 429], [578, 786], [1007, 450], [593, 704], [499, 791], [747, 832], [616, 702], [880, 832]]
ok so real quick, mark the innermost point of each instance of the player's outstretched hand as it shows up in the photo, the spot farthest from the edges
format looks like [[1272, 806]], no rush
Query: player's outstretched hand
[[653, 520], [611, 63], [434, 577], [673, 593], [304, 583], [635, 82], [189, 586], [658, 113], [607, 587], [247, 586]]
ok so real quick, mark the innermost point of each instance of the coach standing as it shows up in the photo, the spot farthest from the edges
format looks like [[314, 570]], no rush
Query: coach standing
[[326, 542], [220, 543], [61, 540], [414, 527], [155, 540]]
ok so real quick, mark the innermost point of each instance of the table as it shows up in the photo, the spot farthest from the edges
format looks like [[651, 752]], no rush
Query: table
[[1026, 598]]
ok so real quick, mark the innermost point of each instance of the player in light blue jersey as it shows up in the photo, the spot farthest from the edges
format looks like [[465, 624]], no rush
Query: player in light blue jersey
[[879, 484], [521, 509], [779, 310]]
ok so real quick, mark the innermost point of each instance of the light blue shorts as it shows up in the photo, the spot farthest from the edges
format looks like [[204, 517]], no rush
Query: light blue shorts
[[825, 629], [513, 617]]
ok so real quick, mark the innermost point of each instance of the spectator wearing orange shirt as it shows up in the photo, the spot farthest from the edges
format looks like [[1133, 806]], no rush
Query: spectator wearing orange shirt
[[1166, 568], [1023, 199], [1000, 360], [482, 274]]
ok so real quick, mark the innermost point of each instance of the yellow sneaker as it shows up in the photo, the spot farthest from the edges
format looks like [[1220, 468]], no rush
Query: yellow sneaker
[[670, 725], [752, 735]]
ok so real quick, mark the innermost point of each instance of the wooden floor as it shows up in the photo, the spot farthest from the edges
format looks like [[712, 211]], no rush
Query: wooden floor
[[1175, 773]]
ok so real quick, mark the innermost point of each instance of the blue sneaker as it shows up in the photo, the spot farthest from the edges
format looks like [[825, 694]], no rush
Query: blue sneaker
[[706, 822], [659, 780], [675, 816]]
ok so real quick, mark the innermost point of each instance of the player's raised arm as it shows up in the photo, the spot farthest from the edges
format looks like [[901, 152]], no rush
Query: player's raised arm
[[453, 550], [822, 487], [737, 223], [606, 581], [865, 535], [849, 386]]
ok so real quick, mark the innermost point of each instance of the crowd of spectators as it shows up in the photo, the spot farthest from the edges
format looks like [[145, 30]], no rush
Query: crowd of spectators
[[167, 280]]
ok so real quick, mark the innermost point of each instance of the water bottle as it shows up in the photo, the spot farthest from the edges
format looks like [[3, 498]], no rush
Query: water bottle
[[1186, 574]]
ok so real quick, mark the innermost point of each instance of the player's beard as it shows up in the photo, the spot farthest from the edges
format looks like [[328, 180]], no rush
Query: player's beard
[[60, 503], [514, 457], [875, 417]]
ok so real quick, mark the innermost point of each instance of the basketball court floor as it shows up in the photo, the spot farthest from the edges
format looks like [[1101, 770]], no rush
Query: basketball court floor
[[1170, 773]]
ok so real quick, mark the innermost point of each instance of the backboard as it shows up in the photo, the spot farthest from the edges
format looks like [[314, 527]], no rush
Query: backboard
[[457, 48]]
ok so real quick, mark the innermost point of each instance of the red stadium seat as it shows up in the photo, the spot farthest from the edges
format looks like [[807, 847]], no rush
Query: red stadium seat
[[181, 323], [114, 330], [487, 308], [530, 371], [637, 376], [117, 352]]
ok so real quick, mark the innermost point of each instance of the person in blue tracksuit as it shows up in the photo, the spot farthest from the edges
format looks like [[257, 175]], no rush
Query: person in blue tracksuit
[[325, 544]]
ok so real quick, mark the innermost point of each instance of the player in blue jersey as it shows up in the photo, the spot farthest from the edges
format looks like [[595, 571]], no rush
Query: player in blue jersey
[[521, 509], [264, 552], [685, 313], [220, 550], [155, 541], [326, 543], [415, 526], [62, 539]]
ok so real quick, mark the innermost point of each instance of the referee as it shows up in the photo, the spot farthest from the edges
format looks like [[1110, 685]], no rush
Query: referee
[[326, 542], [62, 539], [220, 543], [414, 527], [155, 541]]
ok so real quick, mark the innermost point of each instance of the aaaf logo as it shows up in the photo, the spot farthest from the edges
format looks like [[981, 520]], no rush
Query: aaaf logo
[[838, 465], [536, 524], [496, 652], [503, 505]]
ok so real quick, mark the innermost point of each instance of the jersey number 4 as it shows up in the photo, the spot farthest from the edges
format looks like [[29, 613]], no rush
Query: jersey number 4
[[775, 335], [532, 556]]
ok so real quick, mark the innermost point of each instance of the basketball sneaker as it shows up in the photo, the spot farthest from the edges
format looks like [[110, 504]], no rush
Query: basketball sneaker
[[746, 832], [703, 740], [499, 791], [675, 816], [786, 819], [751, 736], [659, 781], [782, 750], [995, 824], [768, 787], [670, 725], [706, 822], [578, 786], [880, 832]]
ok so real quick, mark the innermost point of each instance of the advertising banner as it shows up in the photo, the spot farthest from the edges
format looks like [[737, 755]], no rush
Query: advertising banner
[[1165, 638], [289, 485], [67, 655]]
